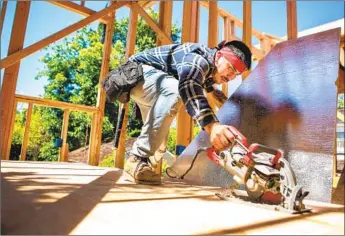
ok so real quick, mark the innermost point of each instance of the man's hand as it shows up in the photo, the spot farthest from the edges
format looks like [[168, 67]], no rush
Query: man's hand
[[220, 135]]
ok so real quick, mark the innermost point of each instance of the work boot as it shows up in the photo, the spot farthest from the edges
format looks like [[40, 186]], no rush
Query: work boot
[[140, 171]]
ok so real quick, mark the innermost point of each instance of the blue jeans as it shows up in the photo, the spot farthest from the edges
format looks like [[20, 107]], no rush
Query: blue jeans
[[159, 101]]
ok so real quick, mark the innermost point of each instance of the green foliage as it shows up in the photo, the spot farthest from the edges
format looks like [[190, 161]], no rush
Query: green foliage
[[341, 101], [108, 161]]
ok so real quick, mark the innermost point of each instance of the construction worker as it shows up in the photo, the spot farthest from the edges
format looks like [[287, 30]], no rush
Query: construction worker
[[177, 75]]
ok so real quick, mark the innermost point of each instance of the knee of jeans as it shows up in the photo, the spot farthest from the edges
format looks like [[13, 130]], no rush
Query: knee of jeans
[[176, 106]]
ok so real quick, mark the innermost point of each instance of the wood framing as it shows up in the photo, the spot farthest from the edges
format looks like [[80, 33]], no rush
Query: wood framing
[[96, 129], [237, 21], [247, 28], [11, 75], [229, 28], [55, 104], [79, 9], [291, 9], [131, 39], [13, 58], [190, 33], [26, 133], [212, 40], [155, 27], [213, 24], [2, 16], [64, 150], [165, 18], [6, 155]]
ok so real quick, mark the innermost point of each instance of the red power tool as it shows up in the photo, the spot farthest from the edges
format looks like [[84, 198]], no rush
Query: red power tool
[[265, 173]]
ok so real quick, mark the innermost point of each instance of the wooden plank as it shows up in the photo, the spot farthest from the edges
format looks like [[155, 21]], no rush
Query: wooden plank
[[213, 24], [229, 29], [26, 133], [13, 58], [148, 4], [80, 9], [236, 20], [2, 16], [265, 46], [247, 28], [11, 75], [190, 29], [212, 40], [291, 9], [55, 104], [87, 197], [160, 33], [9, 142], [131, 37], [63, 150], [165, 18], [95, 145]]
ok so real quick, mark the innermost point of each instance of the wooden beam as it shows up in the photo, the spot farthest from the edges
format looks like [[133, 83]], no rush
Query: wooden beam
[[55, 104], [247, 28], [2, 16], [131, 37], [82, 3], [213, 24], [342, 41], [160, 33], [212, 40], [26, 133], [63, 150], [6, 155], [237, 21], [291, 9], [148, 4], [11, 75], [13, 58], [96, 129], [80, 9], [190, 33], [229, 29], [279, 39], [165, 18], [340, 116]]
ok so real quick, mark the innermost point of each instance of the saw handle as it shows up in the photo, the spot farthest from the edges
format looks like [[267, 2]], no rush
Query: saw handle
[[238, 136], [259, 147], [212, 155]]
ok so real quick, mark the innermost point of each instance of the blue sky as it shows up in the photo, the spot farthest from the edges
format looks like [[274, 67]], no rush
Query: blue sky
[[46, 19]]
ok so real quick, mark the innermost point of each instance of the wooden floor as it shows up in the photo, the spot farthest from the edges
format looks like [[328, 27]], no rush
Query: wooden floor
[[73, 198]]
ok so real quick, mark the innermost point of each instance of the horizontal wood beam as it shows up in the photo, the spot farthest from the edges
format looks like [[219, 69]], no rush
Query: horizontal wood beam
[[160, 33], [55, 104], [80, 9], [273, 37], [17, 56]]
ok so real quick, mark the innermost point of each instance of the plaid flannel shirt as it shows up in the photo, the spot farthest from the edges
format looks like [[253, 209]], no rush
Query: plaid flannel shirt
[[191, 64]]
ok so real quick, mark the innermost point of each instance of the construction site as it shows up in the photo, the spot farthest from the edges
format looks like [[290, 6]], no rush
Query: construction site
[[289, 180]]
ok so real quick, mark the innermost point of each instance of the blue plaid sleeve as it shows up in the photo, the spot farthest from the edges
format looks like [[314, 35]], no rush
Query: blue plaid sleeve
[[191, 71]]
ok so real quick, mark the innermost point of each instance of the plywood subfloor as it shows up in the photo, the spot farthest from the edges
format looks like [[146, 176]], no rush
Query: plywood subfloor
[[73, 198]]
